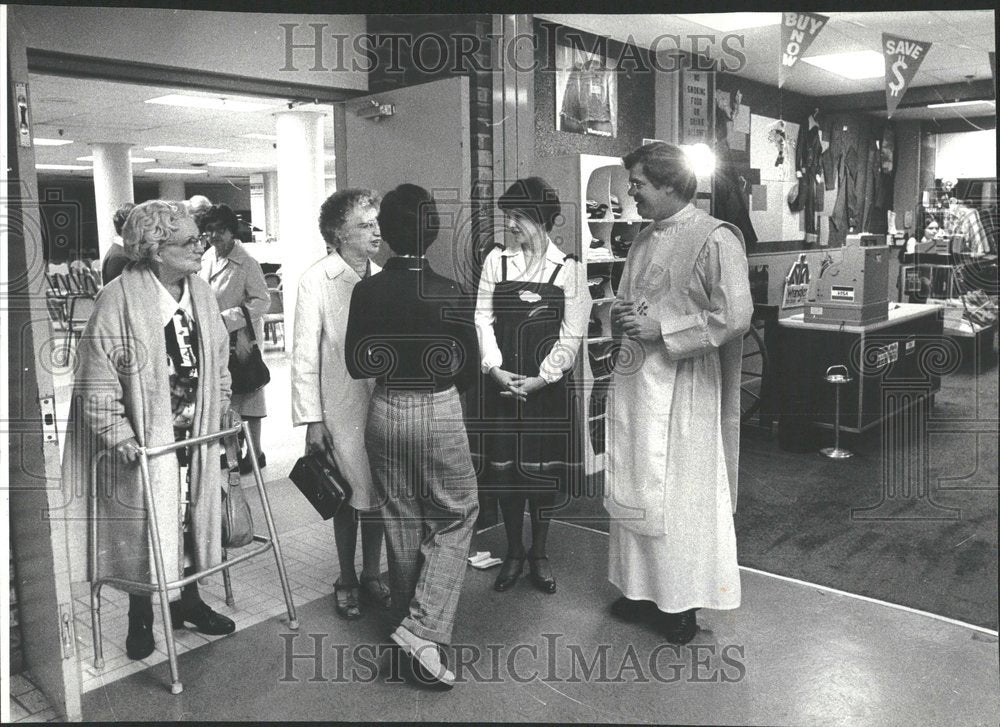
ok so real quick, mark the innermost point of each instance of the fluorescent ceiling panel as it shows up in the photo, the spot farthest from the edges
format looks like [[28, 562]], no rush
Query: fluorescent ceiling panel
[[855, 65]]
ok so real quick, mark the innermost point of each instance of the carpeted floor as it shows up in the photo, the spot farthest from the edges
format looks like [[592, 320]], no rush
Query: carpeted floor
[[798, 513]]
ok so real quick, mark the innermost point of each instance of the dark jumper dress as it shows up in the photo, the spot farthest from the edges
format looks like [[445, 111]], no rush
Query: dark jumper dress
[[527, 441]]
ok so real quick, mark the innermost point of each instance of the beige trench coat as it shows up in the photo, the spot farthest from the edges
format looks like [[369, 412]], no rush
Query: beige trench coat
[[322, 389], [121, 390], [238, 280]]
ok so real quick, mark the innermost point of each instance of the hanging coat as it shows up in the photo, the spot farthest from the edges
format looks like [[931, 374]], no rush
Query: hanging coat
[[322, 389], [122, 390]]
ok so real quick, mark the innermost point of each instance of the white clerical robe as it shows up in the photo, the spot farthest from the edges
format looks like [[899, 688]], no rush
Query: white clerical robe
[[673, 440]]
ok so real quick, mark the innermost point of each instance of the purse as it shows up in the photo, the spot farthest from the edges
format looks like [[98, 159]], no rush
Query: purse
[[319, 479], [249, 374], [237, 521]]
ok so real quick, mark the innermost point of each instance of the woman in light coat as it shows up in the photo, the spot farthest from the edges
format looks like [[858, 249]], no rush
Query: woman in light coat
[[237, 281], [327, 400], [151, 369]]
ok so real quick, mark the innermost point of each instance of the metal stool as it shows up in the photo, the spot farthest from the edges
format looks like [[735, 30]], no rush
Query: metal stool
[[161, 587], [838, 376]]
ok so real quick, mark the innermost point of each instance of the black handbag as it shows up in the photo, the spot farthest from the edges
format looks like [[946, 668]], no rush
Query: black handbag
[[319, 479], [251, 373]]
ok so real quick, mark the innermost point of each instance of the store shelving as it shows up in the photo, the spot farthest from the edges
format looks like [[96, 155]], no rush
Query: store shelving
[[600, 222]]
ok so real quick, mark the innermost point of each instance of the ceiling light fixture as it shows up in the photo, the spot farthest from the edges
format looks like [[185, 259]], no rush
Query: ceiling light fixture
[[951, 104], [855, 65], [238, 165], [218, 103], [65, 167], [134, 160], [165, 170], [727, 22], [39, 141], [186, 149]]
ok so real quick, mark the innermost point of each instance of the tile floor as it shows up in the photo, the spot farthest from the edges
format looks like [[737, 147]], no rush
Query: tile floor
[[27, 703]]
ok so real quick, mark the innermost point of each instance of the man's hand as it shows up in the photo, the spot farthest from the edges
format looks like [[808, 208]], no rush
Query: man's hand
[[319, 439], [128, 451], [641, 328]]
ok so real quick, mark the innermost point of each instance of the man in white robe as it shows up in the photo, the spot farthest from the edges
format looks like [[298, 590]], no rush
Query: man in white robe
[[674, 413]]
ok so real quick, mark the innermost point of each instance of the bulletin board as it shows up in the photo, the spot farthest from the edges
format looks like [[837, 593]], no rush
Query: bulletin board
[[768, 206]]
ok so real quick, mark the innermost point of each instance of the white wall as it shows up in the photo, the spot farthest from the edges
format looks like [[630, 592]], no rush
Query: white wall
[[240, 44], [966, 154]]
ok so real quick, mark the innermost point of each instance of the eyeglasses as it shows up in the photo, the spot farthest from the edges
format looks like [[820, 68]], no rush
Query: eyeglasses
[[190, 243], [370, 225]]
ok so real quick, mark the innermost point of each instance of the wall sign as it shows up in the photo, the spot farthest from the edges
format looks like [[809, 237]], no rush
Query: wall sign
[[695, 108]]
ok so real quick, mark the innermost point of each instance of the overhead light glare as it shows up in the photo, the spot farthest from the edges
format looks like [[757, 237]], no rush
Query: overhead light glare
[[40, 141], [855, 65]]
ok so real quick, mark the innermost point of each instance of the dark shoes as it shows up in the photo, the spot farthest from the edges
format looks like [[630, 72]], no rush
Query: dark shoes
[[634, 611], [246, 466], [347, 600], [510, 571], [540, 574], [203, 618], [678, 628], [139, 643]]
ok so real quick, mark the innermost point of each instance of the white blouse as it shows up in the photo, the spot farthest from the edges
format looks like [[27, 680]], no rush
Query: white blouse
[[572, 278]]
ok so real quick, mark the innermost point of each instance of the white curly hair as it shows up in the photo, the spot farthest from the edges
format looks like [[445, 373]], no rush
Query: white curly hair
[[149, 224]]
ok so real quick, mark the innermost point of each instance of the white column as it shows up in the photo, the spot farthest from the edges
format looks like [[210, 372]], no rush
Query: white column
[[271, 223], [300, 194], [112, 188], [172, 190]]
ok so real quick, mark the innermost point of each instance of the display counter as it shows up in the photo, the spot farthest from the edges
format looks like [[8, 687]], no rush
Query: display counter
[[905, 353]]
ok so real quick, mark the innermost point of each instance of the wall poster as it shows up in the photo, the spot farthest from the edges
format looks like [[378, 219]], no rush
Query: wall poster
[[586, 93]]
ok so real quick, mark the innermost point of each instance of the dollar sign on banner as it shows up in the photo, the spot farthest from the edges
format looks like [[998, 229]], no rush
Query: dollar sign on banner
[[902, 59]]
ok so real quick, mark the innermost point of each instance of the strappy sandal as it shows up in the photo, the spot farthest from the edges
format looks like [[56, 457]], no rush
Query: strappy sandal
[[346, 599], [374, 592]]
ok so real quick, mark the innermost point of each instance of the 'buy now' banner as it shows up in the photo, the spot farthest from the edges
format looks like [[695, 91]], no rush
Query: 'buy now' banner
[[798, 31], [902, 59]]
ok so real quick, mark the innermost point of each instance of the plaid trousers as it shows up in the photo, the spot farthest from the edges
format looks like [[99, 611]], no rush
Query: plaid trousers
[[419, 455]]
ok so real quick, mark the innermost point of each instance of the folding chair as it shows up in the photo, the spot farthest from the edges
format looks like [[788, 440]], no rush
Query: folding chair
[[274, 319], [273, 281], [81, 306], [162, 586]]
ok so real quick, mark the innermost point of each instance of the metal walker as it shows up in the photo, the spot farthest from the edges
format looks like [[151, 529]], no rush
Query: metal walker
[[162, 586]]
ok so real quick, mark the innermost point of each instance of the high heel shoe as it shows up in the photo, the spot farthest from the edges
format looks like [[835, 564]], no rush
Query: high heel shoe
[[544, 583], [510, 571]]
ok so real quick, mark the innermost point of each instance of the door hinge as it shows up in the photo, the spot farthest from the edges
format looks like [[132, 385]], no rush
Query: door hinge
[[67, 633], [48, 407]]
